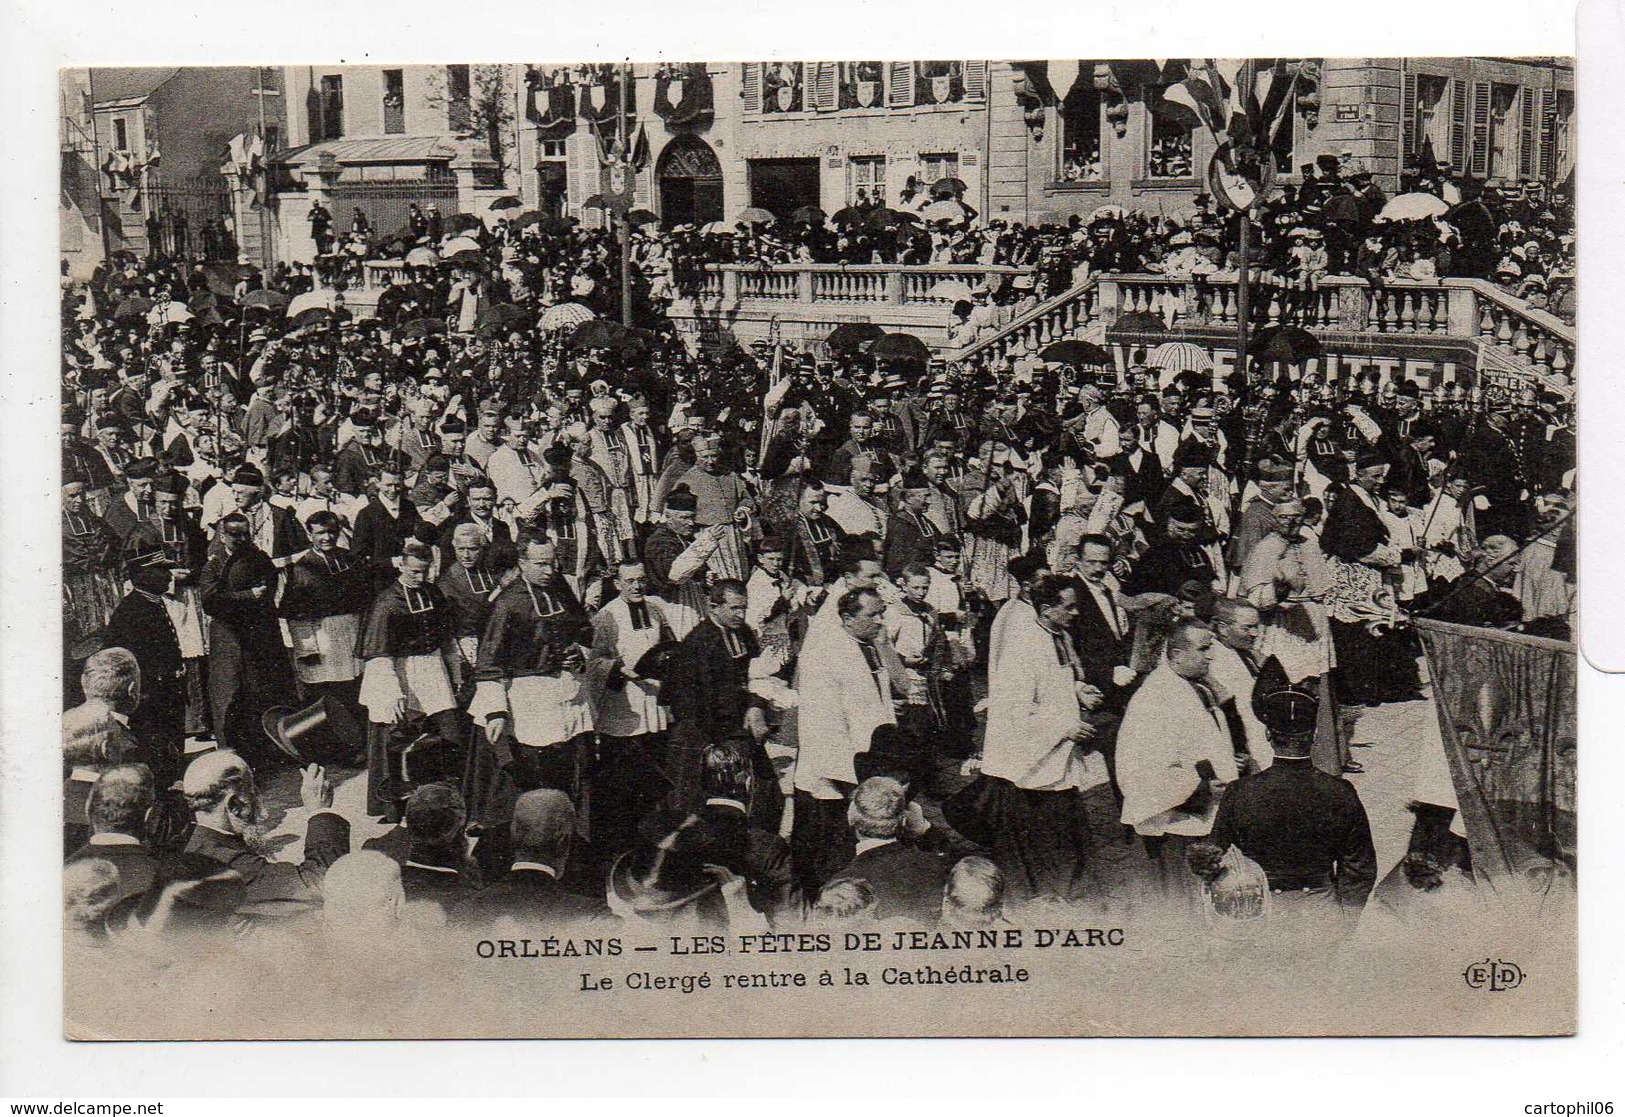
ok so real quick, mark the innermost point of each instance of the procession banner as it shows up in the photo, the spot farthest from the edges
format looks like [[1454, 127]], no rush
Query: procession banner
[[1506, 706]]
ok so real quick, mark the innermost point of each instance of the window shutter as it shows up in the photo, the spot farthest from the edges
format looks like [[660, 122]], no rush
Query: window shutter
[[750, 86], [1407, 115], [826, 91], [975, 77], [899, 84], [1458, 124], [1526, 133], [1548, 134], [1478, 162]]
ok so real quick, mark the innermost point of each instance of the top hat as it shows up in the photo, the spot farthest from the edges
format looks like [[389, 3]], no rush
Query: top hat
[[324, 732]]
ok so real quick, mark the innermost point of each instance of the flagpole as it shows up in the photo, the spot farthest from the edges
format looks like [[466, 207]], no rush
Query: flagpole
[[626, 220]]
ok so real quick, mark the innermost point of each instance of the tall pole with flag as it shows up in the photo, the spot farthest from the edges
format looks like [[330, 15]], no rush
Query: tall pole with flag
[[625, 153]]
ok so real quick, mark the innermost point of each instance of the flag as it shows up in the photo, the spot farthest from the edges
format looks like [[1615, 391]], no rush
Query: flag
[[1506, 705]]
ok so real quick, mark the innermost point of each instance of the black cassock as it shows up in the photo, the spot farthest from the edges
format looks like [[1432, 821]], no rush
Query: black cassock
[[709, 694], [141, 626], [1370, 669], [249, 671], [405, 623]]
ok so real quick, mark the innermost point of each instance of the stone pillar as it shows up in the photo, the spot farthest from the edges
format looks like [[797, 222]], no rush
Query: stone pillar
[[1461, 311]]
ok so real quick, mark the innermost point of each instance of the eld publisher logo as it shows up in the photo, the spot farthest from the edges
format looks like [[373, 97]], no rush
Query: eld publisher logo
[[1494, 975]]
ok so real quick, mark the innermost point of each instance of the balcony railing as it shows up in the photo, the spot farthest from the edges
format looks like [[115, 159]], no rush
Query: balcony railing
[[838, 286], [1467, 313]]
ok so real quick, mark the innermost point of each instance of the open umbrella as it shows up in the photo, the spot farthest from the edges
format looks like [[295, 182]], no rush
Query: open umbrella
[[947, 188], [464, 223], [270, 300], [884, 218], [1140, 322], [397, 242], [133, 308], [808, 215], [528, 218], [1344, 207], [1413, 207], [1107, 213], [754, 215], [312, 316], [1075, 353], [564, 316], [324, 298], [164, 313], [949, 290], [1283, 343], [640, 217], [900, 347], [467, 257], [716, 229], [847, 216], [1179, 356], [507, 201], [459, 244], [423, 327], [948, 211], [596, 334], [422, 257], [504, 316], [848, 336]]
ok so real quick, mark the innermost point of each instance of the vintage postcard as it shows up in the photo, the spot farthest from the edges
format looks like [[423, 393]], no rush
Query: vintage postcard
[[859, 548]]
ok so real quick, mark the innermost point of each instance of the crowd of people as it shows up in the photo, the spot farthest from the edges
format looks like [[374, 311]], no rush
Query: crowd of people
[[611, 632]]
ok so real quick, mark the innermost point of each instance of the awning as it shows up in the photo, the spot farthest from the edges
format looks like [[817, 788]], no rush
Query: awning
[[378, 149]]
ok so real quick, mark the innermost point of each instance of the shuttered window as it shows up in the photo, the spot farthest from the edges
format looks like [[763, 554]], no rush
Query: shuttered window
[[899, 84], [1410, 134], [1478, 160], [750, 86], [1526, 132], [975, 76], [826, 90], [1548, 134], [1458, 124]]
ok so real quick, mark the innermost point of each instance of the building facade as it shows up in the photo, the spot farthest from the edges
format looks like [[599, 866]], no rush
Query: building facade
[[161, 135]]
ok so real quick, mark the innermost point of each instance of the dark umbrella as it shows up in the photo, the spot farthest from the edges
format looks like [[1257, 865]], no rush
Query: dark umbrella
[[397, 242], [597, 334], [884, 218], [528, 218], [466, 257], [311, 316], [638, 217], [900, 347], [136, 306], [809, 215], [596, 201], [1140, 322], [504, 315], [1344, 207], [507, 201], [850, 215], [848, 336], [1076, 353], [464, 222], [947, 188], [1283, 343], [423, 327]]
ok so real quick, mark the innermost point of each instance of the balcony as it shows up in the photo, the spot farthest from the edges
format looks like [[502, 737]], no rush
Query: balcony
[[801, 303], [1424, 330]]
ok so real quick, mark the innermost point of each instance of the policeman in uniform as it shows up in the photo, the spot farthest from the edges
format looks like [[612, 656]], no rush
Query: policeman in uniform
[[1306, 829]]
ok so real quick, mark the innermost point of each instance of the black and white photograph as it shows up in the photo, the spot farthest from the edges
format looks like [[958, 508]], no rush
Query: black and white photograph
[[893, 548]]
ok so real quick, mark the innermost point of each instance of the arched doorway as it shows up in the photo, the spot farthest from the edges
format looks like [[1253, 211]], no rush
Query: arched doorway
[[690, 183]]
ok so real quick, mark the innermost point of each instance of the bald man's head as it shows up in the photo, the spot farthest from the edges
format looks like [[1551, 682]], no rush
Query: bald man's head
[[543, 822]]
